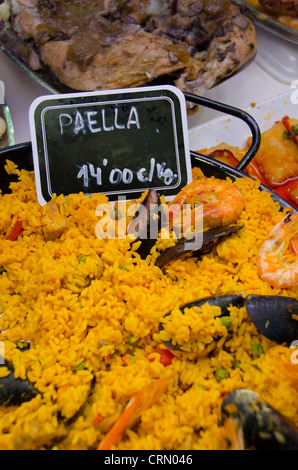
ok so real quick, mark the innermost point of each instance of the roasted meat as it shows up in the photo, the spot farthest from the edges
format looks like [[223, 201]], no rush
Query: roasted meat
[[230, 47], [107, 44], [133, 59]]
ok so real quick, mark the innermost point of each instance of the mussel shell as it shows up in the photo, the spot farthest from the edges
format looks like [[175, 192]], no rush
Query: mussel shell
[[183, 246], [273, 317], [222, 301], [14, 392], [151, 201], [263, 427]]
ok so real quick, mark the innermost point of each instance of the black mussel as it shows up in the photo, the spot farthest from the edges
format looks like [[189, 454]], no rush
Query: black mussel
[[14, 392], [148, 221], [23, 345], [263, 427], [276, 317], [222, 301], [196, 245]]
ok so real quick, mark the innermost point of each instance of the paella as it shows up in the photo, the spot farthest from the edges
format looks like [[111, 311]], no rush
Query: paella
[[110, 343]]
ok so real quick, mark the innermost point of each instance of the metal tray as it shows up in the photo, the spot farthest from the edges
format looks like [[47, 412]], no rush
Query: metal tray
[[21, 154], [12, 46]]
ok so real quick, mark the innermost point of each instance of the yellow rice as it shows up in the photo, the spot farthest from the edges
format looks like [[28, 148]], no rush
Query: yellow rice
[[96, 335]]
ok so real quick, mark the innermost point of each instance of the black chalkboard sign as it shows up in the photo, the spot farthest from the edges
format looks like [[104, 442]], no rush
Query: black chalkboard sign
[[117, 142]]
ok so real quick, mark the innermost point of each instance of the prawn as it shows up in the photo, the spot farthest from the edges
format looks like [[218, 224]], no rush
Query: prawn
[[140, 402], [276, 264], [232, 438], [218, 201]]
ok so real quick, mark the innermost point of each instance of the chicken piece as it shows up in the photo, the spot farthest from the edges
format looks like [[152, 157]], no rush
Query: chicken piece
[[189, 22], [232, 45], [25, 17], [134, 59], [139, 12], [109, 44], [54, 224], [4, 11], [278, 154]]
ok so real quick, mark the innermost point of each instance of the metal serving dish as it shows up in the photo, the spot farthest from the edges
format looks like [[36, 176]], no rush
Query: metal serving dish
[[21, 154], [13, 46]]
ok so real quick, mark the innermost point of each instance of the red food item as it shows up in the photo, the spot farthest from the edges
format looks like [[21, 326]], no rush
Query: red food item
[[285, 190], [285, 121], [16, 230], [253, 169], [226, 156], [166, 356], [98, 418]]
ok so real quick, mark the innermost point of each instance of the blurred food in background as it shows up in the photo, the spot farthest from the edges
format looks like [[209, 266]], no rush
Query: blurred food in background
[[109, 44], [276, 162], [285, 11]]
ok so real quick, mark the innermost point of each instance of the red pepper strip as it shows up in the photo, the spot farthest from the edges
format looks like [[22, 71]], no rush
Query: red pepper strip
[[98, 418], [226, 154], [252, 168], [166, 356], [287, 125], [285, 189], [16, 230]]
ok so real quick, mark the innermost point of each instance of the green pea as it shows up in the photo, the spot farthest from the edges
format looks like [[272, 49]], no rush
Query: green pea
[[124, 268], [82, 259], [80, 366], [236, 365], [221, 374], [132, 341], [226, 321], [257, 350], [132, 359]]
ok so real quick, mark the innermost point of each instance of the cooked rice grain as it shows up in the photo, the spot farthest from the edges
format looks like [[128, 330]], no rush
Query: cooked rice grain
[[91, 310]]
